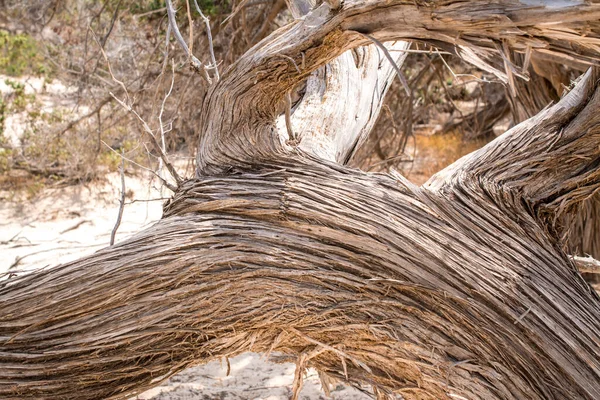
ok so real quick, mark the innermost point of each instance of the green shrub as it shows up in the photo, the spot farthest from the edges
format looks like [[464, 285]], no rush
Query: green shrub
[[19, 55]]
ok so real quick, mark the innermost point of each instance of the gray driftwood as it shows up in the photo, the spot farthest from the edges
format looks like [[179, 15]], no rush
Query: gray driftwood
[[458, 289]]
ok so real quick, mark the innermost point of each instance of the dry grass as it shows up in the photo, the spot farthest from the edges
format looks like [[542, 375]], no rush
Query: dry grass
[[436, 152]]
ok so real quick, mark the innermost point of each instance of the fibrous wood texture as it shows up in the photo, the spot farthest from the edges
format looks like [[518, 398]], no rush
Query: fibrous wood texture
[[372, 279], [250, 93], [351, 88], [457, 289], [352, 109], [581, 231]]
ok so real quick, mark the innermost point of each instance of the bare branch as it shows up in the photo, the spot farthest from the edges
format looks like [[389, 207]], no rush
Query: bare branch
[[237, 9], [211, 49], [352, 89], [195, 63], [191, 26], [129, 160], [392, 62], [160, 121], [363, 272], [155, 144], [549, 161], [127, 106], [261, 79], [112, 75], [121, 201]]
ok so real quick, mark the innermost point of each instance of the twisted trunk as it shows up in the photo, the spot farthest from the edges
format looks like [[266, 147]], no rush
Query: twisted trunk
[[459, 288], [368, 276]]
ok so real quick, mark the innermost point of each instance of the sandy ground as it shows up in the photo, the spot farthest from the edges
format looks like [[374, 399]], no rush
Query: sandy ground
[[251, 377], [64, 224]]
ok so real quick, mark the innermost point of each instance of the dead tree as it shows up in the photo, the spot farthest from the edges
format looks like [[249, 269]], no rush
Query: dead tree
[[456, 289]]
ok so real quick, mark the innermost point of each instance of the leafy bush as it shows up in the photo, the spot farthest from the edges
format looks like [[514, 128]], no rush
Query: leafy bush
[[19, 55]]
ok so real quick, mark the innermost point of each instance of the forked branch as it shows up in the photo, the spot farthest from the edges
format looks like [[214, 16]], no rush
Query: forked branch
[[340, 101], [481, 30], [195, 63]]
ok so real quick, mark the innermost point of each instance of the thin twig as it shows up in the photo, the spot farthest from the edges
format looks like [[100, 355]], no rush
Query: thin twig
[[112, 23], [432, 51], [146, 200], [112, 75], [235, 11], [167, 40], [129, 160], [191, 24], [196, 64], [210, 41], [156, 145], [458, 76], [160, 121], [77, 225], [122, 201], [391, 60], [520, 319], [391, 159], [147, 129], [145, 14]]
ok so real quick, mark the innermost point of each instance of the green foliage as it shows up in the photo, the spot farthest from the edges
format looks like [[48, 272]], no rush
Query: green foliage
[[18, 99], [140, 7], [19, 55]]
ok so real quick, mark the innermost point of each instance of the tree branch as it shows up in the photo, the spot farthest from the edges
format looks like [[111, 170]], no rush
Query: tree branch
[[260, 79], [388, 284], [550, 161], [341, 101], [194, 62]]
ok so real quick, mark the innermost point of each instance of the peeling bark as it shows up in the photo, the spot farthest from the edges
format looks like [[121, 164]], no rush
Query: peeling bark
[[550, 162], [352, 108], [419, 295]]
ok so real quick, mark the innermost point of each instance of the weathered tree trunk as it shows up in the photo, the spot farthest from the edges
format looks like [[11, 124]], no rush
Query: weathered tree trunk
[[457, 289]]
